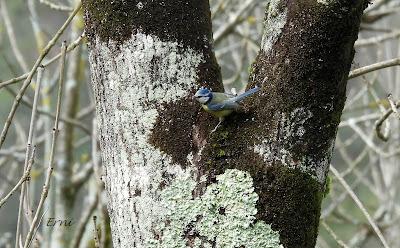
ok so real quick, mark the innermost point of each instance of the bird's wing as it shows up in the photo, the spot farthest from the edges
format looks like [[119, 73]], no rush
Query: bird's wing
[[245, 94], [225, 105], [221, 101]]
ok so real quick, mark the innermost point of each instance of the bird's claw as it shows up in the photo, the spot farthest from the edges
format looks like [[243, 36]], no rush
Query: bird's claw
[[215, 128]]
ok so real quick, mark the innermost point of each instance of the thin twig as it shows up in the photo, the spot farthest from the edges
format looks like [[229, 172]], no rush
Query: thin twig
[[377, 39], [80, 230], [32, 127], [11, 36], [355, 120], [377, 66], [71, 47], [379, 123], [37, 228], [74, 122], [14, 80], [84, 112], [21, 180], [56, 6], [393, 106], [82, 176], [333, 234], [360, 205], [234, 20], [28, 80], [37, 29], [50, 167], [368, 141], [377, 4], [7, 180], [96, 233], [337, 200]]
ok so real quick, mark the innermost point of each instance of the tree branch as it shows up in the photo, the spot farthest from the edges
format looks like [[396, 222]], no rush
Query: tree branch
[[374, 67]]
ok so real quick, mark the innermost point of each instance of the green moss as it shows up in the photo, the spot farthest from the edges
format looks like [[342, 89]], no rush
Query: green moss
[[187, 22], [307, 69], [224, 134], [221, 153], [220, 143], [296, 213], [289, 199], [328, 186]]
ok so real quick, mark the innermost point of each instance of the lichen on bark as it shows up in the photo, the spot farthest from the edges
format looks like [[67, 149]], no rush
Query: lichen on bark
[[147, 60], [143, 68], [286, 136], [222, 217], [129, 91]]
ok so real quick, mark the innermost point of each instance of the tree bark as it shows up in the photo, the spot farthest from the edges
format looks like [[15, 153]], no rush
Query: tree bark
[[305, 57], [258, 181]]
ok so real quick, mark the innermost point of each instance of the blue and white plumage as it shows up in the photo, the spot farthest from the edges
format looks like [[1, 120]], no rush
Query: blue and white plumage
[[221, 104]]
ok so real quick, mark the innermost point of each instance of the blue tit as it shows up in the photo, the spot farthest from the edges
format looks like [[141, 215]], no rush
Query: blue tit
[[221, 104]]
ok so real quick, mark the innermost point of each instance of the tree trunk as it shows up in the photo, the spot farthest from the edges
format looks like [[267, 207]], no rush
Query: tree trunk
[[258, 181]]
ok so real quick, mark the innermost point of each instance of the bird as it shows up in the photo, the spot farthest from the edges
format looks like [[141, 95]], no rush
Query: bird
[[221, 104]]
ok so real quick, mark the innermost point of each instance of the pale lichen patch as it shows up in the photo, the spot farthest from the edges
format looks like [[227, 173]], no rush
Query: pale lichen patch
[[139, 5], [325, 2], [134, 79], [273, 25], [223, 217], [292, 129]]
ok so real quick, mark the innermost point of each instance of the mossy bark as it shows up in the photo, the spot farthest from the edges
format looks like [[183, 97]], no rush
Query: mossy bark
[[293, 122], [283, 137]]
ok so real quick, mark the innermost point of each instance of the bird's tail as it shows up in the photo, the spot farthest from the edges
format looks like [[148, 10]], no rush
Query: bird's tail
[[246, 94]]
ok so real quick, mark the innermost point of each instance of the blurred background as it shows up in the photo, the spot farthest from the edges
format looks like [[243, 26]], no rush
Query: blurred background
[[366, 160]]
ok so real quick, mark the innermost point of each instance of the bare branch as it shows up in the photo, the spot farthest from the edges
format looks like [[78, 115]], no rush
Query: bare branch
[[234, 20], [82, 176], [96, 233], [32, 127], [28, 80], [56, 6], [71, 47], [360, 205], [333, 234], [83, 222], [53, 149], [21, 180], [377, 66], [393, 106], [377, 39], [379, 123], [74, 122], [11, 36]]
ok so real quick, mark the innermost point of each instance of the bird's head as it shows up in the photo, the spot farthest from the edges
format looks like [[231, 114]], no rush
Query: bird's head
[[203, 95]]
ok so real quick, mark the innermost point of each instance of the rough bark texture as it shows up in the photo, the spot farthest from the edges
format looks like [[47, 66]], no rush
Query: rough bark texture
[[147, 59], [307, 50], [170, 182]]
